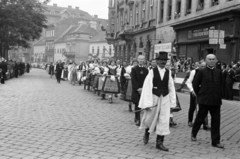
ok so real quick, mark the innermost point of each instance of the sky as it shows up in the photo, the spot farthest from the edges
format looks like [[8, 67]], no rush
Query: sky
[[93, 7]]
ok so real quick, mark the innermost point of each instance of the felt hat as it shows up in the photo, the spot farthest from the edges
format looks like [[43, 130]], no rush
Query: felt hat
[[162, 55]]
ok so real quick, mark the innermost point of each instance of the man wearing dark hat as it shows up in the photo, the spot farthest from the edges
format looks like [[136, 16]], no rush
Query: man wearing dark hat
[[158, 97]]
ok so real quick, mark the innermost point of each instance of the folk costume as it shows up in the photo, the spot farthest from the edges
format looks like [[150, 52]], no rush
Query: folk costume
[[65, 73], [69, 71], [111, 83], [159, 93], [73, 76], [127, 96]]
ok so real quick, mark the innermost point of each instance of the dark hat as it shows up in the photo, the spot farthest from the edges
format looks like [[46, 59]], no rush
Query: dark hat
[[162, 55]]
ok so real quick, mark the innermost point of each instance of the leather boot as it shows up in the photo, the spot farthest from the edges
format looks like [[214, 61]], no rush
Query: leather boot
[[146, 137], [159, 144], [171, 123], [103, 96], [130, 107]]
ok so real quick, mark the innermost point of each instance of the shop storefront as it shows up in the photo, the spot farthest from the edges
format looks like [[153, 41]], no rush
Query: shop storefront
[[192, 37]]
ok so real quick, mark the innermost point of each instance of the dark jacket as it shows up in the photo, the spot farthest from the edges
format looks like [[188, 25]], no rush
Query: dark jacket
[[51, 69], [138, 76], [208, 86], [230, 76]]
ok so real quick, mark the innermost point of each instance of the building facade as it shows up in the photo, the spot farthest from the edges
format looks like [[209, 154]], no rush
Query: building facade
[[136, 26], [186, 24], [132, 28], [99, 48]]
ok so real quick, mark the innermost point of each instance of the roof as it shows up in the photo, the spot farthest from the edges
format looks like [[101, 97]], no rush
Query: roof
[[70, 10], [100, 37], [40, 42]]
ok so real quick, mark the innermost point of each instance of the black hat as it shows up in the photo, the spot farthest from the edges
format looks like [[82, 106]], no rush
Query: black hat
[[162, 55]]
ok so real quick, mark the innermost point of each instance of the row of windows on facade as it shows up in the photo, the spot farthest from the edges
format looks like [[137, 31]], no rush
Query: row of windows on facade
[[104, 49], [177, 13], [50, 33], [58, 12]]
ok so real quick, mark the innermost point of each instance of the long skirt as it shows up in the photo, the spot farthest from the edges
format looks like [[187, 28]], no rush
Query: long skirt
[[100, 83], [79, 75], [73, 76], [128, 92], [95, 83], [110, 86], [69, 75]]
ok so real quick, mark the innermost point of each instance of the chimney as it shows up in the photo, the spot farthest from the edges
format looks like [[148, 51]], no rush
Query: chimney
[[55, 5], [77, 8], [70, 7], [95, 16]]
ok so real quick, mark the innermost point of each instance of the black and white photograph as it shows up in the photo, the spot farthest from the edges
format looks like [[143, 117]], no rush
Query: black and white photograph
[[119, 79]]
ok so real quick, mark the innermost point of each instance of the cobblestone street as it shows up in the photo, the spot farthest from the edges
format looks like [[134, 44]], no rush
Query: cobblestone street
[[40, 118]]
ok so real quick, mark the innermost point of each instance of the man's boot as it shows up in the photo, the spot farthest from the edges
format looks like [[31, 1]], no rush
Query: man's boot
[[103, 97], [130, 107], [171, 123], [159, 144], [146, 136]]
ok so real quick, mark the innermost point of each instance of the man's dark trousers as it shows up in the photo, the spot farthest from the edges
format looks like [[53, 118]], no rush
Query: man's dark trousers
[[215, 123], [192, 108]]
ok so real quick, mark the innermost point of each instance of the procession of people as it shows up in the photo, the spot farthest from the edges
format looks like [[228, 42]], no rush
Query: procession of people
[[12, 69], [150, 87]]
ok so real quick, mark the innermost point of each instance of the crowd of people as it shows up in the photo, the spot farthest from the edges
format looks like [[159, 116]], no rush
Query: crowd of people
[[12, 69], [150, 88]]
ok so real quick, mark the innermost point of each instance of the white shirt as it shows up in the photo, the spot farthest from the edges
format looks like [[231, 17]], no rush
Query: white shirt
[[162, 72], [190, 80]]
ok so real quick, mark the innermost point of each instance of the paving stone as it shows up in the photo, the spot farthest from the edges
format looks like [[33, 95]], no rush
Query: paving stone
[[54, 121]]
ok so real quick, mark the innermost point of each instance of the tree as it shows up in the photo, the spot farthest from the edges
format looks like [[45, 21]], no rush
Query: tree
[[21, 21]]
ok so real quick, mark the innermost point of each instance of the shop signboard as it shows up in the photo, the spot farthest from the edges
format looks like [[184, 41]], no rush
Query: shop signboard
[[167, 47], [213, 41], [198, 33], [223, 46]]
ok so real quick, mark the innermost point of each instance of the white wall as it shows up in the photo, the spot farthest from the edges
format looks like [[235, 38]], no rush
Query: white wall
[[58, 52], [95, 45], [38, 52]]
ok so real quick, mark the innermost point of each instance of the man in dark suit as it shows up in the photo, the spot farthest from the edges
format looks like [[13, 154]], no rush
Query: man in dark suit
[[229, 82], [51, 70], [3, 66], [138, 76], [59, 68], [224, 76], [208, 88]]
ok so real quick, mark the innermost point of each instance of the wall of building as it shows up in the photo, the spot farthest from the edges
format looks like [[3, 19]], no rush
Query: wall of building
[[38, 53], [58, 53], [81, 51], [93, 50]]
